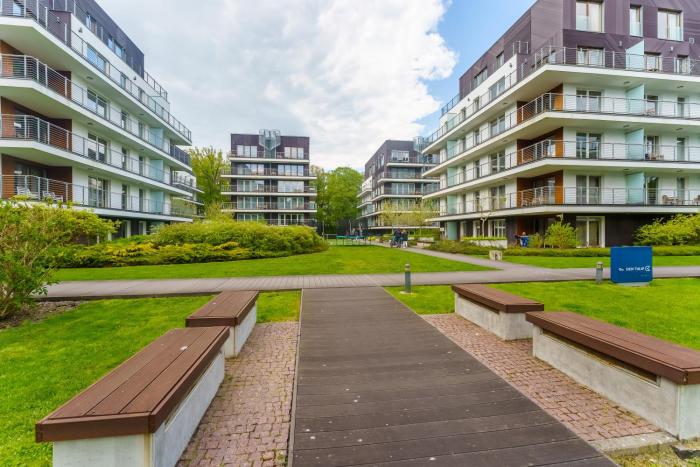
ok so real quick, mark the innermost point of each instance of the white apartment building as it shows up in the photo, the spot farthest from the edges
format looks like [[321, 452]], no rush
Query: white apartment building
[[586, 111], [83, 122]]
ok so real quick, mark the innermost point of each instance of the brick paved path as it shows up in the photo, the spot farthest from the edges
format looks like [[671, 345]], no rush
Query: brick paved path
[[588, 414], [248, 421]]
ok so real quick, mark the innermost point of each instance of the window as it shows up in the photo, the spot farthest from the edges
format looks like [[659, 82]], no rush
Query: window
[[500, 60], [96, 59], [293, 153], [119, 50], [292, 170], [251, 169], [651, 148], [588, 101], [636, 21], [476, 225], [246, 151], [652, 62], [651, 186], [97, 148], [652, 105], [476, 169], [97, 103], [125, 158], [498, 197], [682, 65], [588, 145], [90, 23], [670, 25], [497, 89], [142, 165], [498, 162], [587, 189], [125, 196], [125, 120], [680, 150], [286, 186], [399, 156], [590, 231], [589, 16], [680, 107], [251, 186], [587, 56], [480, 78], [17, 8], [98, 192], [123, 79], [497, 228], [498, 126]]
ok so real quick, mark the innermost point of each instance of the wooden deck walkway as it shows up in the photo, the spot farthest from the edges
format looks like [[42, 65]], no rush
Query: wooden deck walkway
[[377, 385]]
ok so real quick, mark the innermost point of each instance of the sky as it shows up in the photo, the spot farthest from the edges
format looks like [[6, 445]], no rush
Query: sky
[[347, 73]]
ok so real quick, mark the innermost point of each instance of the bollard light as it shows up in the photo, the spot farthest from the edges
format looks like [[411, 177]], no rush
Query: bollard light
[[407, 279], [599, 272]]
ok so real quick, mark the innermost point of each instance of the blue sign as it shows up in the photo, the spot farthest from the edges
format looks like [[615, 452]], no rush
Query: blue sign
[[631, 264]]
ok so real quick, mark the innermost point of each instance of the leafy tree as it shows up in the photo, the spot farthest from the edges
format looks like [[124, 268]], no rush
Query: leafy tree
[[682, 229], [207, 165], [337, 192], [561, 235], [30, 234]]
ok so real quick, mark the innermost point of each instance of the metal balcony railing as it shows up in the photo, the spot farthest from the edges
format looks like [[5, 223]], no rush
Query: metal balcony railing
[[396, 175], [411, 159], [266, 189], [418, 191], [266, 172], [24, 67], [589, 150], [577, 57], [29, 128], [262, 154], [577, 196], [269, 206], [564, 103], [32, 188], [38, 12]]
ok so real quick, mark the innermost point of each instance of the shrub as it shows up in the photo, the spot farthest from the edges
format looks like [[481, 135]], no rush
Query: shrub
[[463, 248], [558, 252], [560, 235], [682, 229], [203, 242], [30, 234], [536, 241]]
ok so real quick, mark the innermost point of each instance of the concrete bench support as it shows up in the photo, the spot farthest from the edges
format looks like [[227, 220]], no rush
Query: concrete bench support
[[498, 312], [654, 389], [237, 309], [145, 411]]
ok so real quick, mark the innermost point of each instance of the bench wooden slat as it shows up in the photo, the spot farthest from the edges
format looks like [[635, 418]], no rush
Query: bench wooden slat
[[112, 415], [229, 308], [676, 363], [496, 299]]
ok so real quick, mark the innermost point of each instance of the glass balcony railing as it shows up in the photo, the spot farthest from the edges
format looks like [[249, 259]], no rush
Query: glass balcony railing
[[268, 206]]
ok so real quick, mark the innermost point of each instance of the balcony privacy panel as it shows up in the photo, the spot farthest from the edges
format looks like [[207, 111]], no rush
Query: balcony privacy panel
[[635, 141], [635, 188]]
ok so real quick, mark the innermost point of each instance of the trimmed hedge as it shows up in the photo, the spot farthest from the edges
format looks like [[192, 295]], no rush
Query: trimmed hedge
[[200, 242], [462, 248]]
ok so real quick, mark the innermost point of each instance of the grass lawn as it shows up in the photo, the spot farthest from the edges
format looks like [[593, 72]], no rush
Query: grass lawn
[[590, 262], [44, 364], [665, 308], [426, 299], [337, 260]]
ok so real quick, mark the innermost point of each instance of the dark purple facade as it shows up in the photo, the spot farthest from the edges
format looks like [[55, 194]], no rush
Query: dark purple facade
[[553, 23]]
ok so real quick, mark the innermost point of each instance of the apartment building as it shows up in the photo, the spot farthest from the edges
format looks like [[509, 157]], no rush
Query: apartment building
[[586, 111], [82, 120], [269, 179], [394, 181]]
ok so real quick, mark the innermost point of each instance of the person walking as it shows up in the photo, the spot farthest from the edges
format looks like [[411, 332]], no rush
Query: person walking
[[404, 239], [396, 240]]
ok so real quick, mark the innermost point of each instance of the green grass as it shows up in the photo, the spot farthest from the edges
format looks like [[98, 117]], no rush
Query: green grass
[[44, 364], [279, 306], [667, 308], [590, 262], [337, 260], [426, 299]]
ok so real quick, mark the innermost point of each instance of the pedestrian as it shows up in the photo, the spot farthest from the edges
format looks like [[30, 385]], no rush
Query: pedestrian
[[404, 239], [396, 240]]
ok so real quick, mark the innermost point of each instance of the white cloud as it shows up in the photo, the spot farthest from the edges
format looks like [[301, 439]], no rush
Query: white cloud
[[347, 73]]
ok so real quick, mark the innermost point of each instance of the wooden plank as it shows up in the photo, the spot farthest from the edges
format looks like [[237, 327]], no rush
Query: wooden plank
[[680, 365], [229, 308], [496, 299], [377, 385]]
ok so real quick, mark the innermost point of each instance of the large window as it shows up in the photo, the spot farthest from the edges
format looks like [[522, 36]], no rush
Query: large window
[[294, 153], [589, 16], [588, 101], [588, 145], [97, 148], [97, 103], [587, 189], [636, 20], [497, 89], [480, 78], [287, 186], [96, 59], [670, 25], [500, 60], [98, 192], [399, 156], [293, 170], [246, 151], [587, 56]]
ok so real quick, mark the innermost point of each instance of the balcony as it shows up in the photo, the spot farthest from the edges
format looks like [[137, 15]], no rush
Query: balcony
[[395, 175], [32, 129], [31, 188], [587, 152], [311, 190], [40, 14], [23, 67], [389, 191], [584, 58], [418, 159], [262, 154], [564, 103], [255, 207], [244, 172], [558, 197]]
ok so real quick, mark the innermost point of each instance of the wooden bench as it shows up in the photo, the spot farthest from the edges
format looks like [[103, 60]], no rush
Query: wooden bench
[[144, 412], [497, 311], [234, 308], [654, 378]]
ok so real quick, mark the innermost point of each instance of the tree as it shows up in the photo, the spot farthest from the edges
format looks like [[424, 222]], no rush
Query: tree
[[208, 165], [423, 211], [337, 192], [30, 235]]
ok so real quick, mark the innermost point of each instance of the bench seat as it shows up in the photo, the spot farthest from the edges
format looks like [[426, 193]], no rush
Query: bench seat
[[145, 411], [497, 311], [234, 308], [657, 379]]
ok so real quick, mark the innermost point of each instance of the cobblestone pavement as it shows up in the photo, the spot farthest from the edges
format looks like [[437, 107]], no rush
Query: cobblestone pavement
[[588, 414], [248, 421]]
